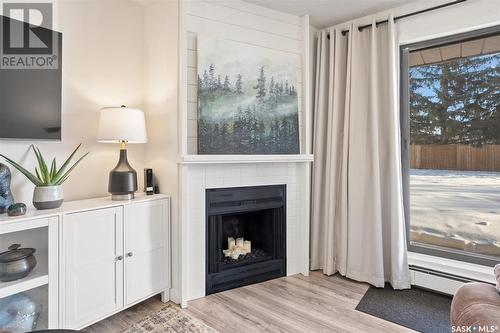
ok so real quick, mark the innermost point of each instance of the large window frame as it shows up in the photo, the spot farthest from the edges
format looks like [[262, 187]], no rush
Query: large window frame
[[405, 50]]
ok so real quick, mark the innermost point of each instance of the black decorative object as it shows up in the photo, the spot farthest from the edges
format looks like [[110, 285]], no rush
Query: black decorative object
[[122, 179], [6, 198], [257, 214], [16, 209], [148, 181]]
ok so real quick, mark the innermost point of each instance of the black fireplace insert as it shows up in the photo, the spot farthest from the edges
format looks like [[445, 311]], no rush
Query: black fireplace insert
[[253, 214]]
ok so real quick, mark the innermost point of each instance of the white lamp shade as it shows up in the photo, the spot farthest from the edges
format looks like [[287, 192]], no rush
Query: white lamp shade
[[117, 124]]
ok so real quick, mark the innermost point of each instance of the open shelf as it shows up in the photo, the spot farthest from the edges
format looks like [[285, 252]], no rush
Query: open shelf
[[38, 277], [37, 230]]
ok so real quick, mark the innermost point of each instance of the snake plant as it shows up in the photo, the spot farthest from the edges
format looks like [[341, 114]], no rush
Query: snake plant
[[45, 176]]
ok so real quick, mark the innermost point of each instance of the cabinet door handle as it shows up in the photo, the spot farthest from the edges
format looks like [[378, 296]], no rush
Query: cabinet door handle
[[119, 258], [130, 254]]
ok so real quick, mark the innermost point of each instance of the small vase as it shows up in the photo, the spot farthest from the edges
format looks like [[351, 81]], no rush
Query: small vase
[[48, 197]]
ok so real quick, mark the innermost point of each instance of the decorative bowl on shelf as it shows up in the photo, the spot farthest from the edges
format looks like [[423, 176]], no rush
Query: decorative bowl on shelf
[[16, 263]]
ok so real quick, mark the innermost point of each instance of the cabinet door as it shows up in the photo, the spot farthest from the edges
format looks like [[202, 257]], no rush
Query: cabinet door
[[93, 266], [146, 253]]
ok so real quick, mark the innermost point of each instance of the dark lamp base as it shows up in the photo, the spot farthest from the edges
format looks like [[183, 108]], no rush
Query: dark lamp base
[[122, 179]]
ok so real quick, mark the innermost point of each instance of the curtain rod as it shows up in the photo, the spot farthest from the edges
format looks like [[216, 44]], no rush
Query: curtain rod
[[456, 2]]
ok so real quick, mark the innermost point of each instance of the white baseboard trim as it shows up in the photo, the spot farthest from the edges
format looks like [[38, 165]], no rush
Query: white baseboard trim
[[175, 296]]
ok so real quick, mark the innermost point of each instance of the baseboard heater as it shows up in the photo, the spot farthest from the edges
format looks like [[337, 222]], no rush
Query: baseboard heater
[[449, 276], [446, 283]]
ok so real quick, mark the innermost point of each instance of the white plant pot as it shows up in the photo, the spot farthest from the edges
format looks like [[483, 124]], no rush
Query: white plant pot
[[48, 197]]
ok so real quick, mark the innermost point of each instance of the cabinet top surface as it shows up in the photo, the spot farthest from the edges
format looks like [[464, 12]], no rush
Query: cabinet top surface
[[78, 206]]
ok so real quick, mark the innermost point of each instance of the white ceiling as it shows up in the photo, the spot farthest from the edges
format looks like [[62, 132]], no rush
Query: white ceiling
[[325, 13]]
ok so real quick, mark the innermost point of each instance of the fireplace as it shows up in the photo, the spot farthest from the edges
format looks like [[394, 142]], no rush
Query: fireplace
[[246, 236]]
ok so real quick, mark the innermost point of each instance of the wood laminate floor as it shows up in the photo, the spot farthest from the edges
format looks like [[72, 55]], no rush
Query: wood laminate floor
[[316, 303]]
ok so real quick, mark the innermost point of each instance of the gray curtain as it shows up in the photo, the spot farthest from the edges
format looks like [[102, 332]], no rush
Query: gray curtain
[[357, 225]]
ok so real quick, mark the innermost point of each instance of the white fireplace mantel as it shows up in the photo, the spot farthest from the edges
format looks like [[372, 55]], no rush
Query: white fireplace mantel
[[232, 159]]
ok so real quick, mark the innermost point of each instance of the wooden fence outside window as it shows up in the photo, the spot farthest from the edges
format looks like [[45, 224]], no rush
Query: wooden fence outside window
[[455, 157]]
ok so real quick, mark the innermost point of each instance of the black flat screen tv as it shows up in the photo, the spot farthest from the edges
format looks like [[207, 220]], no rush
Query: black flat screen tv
[[30, 88]]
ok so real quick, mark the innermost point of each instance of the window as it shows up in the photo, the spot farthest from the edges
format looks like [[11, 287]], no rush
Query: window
[[450, 107]]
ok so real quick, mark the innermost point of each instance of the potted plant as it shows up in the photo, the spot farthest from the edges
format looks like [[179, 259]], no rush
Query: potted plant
[[48, 193]]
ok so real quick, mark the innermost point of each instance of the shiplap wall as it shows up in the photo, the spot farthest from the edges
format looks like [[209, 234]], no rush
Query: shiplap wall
[[241, 22]]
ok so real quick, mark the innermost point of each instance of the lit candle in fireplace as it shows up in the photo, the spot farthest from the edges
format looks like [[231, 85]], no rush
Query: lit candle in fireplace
[[247, 245], [236, 254], [239, 243], [230, 243]]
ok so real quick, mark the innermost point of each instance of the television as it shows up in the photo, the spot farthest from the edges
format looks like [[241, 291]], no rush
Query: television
[[30, 84]]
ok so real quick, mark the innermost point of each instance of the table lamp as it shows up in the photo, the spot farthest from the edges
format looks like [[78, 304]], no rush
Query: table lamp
[[122, 125]]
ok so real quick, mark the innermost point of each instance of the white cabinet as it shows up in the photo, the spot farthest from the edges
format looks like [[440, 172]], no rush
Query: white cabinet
[[113, 258], [93, 265], [146, 253]]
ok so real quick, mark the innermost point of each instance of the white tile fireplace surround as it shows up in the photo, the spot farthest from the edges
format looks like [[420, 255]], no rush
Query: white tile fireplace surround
[[199, 177]]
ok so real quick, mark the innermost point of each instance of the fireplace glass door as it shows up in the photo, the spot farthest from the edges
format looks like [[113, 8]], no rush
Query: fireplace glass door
[[245, 236]]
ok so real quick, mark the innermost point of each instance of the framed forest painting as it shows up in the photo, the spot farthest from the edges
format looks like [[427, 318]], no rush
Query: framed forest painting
[[247, 99]]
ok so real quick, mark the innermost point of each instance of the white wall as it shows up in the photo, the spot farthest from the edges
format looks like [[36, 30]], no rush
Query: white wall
[[161, 31], [102, 66], [471, 15]]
